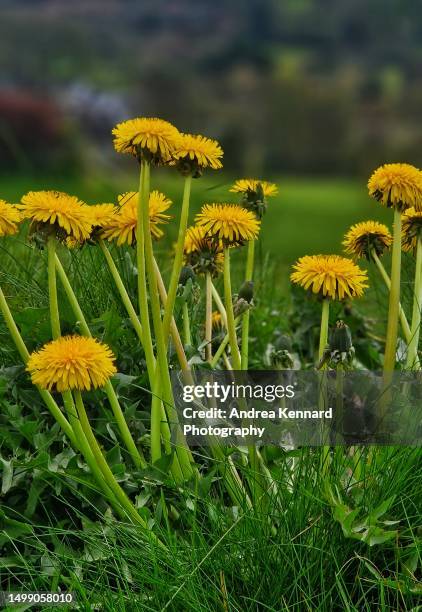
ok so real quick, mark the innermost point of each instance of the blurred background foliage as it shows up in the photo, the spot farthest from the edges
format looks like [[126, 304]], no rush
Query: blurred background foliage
[[291, 86]]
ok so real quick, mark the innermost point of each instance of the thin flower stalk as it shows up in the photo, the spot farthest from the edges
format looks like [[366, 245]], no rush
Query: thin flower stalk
[[221, 349], [122, 291], [394, 300], [219, 303], [231, 326], [208, 317], [383, 272], [178, 257], [187, 336], [52, 288], [246, 317], [412, 361], [323, 341], [156, 410], [142, 285], [175, 336], [323, 333]]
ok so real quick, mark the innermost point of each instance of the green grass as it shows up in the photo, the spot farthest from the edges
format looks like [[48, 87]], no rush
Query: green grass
[[295, 557]]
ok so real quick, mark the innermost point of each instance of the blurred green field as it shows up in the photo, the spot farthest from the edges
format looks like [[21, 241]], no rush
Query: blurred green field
[[308, 216]]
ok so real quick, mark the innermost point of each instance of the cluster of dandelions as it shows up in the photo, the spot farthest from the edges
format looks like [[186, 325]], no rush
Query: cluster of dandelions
[[397, 186], [68, 366]]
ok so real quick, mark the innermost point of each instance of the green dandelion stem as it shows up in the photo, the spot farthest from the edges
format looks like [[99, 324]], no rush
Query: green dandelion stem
[[394, 301], [122, 291], [156, 413], [175, 336], [245, 320], [178, 257], [208, 317], [219, 303], [13, 329], [142, 283], [187, 337], [137, 457], [323, 332], [52, 288], [231, 326], [403, 320], [121, 496], [323, 341], [219, 352], [23, 352], [412, 351]]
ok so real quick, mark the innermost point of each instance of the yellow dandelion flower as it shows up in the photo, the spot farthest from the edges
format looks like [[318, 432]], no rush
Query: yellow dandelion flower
[[216, 320], [397, 185], [147, 138], [72, 243], [231, 224], [411, 229], [194, 153], [101, 214], [68, 215], [330, 276], [158, 204], [366, 236], [122, 226], [9, 219], [72, 362], [250, 185], [197, 239], [255, 193], [202, 252]]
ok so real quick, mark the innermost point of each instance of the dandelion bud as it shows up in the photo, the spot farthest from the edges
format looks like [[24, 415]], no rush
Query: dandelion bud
[[254, 193], [341, 338], [186, 273], [246, 291], [341, 344]]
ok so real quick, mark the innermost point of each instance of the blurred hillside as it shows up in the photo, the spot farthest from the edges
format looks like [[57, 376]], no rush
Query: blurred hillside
[[287, 86]]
